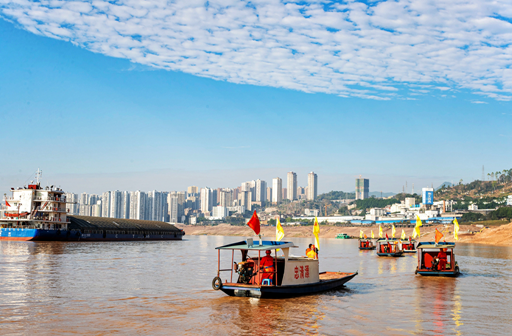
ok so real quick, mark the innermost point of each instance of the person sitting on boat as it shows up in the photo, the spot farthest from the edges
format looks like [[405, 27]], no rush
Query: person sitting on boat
[[267, 266], [312, 254]]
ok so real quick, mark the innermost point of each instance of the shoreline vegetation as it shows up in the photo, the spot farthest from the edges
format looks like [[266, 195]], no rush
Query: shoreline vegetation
[[500, 235]]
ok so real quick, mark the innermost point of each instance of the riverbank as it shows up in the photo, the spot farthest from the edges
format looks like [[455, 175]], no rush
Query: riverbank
[[498, 235]]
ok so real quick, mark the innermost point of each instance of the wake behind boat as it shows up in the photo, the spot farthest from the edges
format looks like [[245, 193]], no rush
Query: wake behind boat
[[262, 275]]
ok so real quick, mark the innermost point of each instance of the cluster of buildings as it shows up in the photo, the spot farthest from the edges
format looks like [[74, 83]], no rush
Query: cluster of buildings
[[193, 204]]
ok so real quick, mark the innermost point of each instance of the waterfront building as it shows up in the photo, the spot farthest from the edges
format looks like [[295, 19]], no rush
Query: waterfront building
[[176, 206], [73, 206], [125, 204], [291, 190], [105, 204], [115, 204], [261, 191], [427, 196], [312, 186], [226, 198], [138, 200], [362, 188], [244, 198], [219, 212], [277, 190], [206, 200]]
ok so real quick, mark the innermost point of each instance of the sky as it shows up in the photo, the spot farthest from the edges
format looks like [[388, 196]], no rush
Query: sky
[[160, 95]]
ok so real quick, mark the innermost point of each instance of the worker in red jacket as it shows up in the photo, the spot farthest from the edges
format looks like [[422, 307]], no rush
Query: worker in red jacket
[[443, 259], [267, 266]]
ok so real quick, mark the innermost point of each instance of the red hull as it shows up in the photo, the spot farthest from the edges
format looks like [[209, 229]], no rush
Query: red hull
[[17, 238]]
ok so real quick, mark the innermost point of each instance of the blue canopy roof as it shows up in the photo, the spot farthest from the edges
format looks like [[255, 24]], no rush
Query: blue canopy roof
[[265, 245]]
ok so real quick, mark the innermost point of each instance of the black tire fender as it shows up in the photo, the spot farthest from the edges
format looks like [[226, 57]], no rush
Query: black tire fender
[[216, 283], [457, 270], [416, 271]]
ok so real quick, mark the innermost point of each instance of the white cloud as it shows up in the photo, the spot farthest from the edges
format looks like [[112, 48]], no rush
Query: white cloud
[[349, 49], [478, 102]]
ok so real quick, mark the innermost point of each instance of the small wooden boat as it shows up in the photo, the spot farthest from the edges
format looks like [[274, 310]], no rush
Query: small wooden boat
[[343, 236], [437, 259], [366, 244], [409, 246], [289, 276], [389, 247]]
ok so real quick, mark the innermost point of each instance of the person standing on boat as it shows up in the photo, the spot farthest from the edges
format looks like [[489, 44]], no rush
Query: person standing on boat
[[267, 266], [312, 253], [308, 249], [443, 259]]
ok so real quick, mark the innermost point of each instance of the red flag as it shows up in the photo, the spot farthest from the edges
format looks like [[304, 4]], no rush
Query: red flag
[[254, 223], [387, 236], [7, 203], [439, 235]]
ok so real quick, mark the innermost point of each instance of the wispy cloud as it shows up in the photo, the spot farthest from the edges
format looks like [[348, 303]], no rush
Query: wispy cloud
[[346, 48], [478, 102]]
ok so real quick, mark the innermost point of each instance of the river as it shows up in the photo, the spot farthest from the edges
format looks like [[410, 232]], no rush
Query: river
[[162, 288]]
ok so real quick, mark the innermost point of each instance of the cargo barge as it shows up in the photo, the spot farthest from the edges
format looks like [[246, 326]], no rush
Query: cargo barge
[[36, 213]]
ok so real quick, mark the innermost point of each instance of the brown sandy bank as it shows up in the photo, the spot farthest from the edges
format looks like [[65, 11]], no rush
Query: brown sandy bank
[[500, 235]]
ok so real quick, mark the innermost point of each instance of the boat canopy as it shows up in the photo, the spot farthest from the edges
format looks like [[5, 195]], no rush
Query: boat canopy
[[390, 239], [424, 245], [265, 245]]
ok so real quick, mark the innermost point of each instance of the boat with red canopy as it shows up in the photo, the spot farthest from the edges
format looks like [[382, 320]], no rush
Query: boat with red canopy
[[409, 245], [262, 273], [437, 259], [389, 247], [366, 244]]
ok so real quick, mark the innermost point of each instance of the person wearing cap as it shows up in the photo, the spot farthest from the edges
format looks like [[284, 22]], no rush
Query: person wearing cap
[[267, 266], [312, 253]]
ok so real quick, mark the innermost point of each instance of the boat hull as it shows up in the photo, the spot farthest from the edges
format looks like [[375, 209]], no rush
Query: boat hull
[[396, 254], [438, 273], [277, 292], [15, 234], [367, 248], [409, 251]]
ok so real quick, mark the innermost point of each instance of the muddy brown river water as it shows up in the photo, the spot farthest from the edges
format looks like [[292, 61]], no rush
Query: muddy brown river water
[[163, 288]]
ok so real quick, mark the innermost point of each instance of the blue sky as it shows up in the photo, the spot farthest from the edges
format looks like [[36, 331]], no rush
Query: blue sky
[[98, 109]]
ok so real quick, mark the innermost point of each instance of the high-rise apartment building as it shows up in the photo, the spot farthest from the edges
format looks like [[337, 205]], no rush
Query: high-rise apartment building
[[269, 194], [176, 201], [125, 204], [72, 203], [226, 198], [244, 198], [362, 188], [115, 204], [277, 190], [312, 191], [206, 200], [291, 186], [261, 191], [138, 202], [192, 190], [105, 204]]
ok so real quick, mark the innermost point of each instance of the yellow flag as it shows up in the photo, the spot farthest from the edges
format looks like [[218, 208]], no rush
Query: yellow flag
[[416, 232], [455, 229], [316, 231], [279, 230], [393, 231], [373, 235], [361, 234], [403, 234], [380, 231]]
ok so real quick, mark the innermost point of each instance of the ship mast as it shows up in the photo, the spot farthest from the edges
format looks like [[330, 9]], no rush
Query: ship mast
[[38, 175]]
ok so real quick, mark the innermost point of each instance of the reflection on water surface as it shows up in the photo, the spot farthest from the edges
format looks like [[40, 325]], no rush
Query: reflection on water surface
[[160, 288]]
